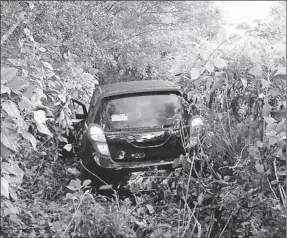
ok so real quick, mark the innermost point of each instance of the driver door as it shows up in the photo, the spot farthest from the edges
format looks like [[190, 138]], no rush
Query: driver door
[[79, 116]]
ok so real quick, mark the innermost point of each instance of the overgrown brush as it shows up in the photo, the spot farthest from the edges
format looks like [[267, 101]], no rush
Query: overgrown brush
[[232, 184]]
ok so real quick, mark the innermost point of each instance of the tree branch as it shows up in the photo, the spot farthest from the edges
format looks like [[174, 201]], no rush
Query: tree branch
[[163, 12], [159, 23], [12, 28]]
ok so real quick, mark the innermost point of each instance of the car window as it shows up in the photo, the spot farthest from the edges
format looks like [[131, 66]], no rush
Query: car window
[[139, 111]]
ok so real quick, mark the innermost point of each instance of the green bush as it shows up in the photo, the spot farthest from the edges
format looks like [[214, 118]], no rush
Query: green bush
[[232, 185]]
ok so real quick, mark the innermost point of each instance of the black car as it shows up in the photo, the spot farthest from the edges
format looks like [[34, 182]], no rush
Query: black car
[[130, 126]]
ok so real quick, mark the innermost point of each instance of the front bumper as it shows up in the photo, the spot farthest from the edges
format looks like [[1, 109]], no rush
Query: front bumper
[[107, 162]]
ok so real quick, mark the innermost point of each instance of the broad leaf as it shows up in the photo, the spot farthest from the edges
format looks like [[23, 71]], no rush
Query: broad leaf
[[175, 163], [72, 188], [281, 126], [86, 182], [200, 198], [11, 207], [256, 70], [17, 62], [274, 92], [259, 168], [42, 49], [195, 73], [280, 48], [269, 120], [62, 139], [265, 83], [280, 70], [11, 109], [49, 113], [9, 137], [26, 50], [261, 95], [255, 56], [4, 187], [28, 136], [5, 152], [206, 54], [27, 32], [150, 208], [40, 116], [33, 233], [266, 110], [7, 74], [17, 84], [61, 117], [76, 184], [189, 95], [270, 127], [272, 140], [47, 65], [13, 193], [281, 155], [43, 129], [259, 144], [219, 80], [105, 187], [87, 76], [73, 171], [12, 168], [69, 85], [204, 80], [244, 82], [5, 89], [31, 5], [37, 95], [254, 152], [62, 97], [68, 147], [22, 125], [209, 66], [25, 103], [219, 62]]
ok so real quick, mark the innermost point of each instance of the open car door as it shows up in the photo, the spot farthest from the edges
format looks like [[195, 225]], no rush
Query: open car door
[[79, 115]]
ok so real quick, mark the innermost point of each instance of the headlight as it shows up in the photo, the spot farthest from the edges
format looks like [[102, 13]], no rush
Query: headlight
[[96, 133]]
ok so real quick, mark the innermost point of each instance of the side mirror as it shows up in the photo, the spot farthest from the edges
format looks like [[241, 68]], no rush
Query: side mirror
[[80, 116], [80, 109]]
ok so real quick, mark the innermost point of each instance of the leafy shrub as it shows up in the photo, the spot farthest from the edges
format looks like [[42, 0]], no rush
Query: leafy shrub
[[232, 185]]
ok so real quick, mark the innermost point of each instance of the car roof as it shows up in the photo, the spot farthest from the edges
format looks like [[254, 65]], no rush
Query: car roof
[[138, 87]]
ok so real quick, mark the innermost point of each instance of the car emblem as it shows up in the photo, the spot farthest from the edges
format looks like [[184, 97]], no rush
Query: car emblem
[[148, 136], [138, 155]]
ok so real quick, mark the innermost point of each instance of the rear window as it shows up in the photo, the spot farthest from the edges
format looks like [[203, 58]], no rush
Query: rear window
[[139, 111]]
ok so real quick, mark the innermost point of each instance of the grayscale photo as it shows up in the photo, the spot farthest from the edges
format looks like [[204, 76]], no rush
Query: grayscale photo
[[154, 119]]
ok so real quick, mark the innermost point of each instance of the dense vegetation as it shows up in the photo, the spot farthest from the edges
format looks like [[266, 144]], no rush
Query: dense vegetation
[[233, 185]]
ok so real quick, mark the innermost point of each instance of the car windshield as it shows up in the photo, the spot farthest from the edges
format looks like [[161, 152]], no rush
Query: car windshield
[[139, 111]]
